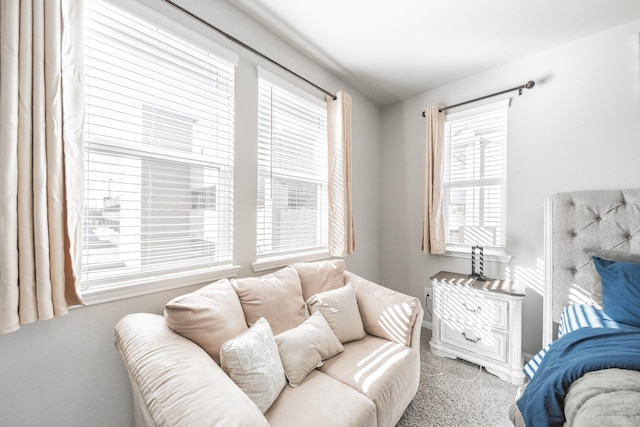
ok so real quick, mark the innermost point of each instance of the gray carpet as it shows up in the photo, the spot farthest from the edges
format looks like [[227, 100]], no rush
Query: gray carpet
[[454, 392]]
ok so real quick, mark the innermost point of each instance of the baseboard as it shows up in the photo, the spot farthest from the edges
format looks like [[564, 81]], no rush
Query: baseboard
[[527, 357], [427, 324]]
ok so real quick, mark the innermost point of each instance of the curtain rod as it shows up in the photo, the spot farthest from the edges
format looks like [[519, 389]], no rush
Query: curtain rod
[[527, 85], [247, 47]]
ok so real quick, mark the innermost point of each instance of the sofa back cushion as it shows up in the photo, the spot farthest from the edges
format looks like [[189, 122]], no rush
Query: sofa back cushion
[[321, 276], [276, 296], [209, 316]]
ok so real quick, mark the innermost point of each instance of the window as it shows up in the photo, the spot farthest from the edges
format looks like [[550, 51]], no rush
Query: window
[[475, 177], [292, 171], [158, 150]]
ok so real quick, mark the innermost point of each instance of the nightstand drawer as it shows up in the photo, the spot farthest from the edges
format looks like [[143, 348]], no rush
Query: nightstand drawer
[[470, 306], [479, 341]]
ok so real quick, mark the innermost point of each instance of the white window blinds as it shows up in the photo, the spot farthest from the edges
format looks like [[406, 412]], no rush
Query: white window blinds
[[292, 171], [475, 176], [159, 150]]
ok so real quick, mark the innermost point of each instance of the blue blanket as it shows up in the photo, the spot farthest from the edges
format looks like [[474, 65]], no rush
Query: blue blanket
[[568, 358]]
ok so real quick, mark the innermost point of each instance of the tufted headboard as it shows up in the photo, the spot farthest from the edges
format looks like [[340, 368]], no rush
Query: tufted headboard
[[574, 223]]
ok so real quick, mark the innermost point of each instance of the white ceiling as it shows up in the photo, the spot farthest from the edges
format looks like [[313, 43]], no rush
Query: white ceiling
[[391, 50]]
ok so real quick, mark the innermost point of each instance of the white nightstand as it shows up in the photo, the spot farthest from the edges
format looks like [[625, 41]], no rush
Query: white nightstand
[[479, 321]]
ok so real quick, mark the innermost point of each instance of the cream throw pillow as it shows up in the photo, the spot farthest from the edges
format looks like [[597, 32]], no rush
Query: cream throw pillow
[[340, 308], [208, 317], [304, 348], [252, 361], [320, 276], [276, 296]]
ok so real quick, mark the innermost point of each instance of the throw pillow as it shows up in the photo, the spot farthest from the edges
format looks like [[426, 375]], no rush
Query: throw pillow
[[321, 276], [209, 316], [276, 296], [340, 308], [252, 361], [620, 290], [304, 348], [609, 255]]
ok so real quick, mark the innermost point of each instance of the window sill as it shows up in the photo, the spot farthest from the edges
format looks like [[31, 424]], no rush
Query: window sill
[[268, 263], [134, 288], [489, 255]]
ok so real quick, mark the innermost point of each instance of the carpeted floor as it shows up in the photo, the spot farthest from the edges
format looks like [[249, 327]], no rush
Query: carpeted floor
[[454, 392]]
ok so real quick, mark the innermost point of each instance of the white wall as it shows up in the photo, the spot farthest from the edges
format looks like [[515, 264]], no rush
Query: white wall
[[66, 371], [578, 129]]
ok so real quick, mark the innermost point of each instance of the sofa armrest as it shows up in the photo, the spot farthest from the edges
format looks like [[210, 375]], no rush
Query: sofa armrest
[[176, 382], [387, 313]]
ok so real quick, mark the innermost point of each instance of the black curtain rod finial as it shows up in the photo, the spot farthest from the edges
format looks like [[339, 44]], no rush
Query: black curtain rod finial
[[527, 85]]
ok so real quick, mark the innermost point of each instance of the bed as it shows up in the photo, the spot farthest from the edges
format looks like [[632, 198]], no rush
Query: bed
[[588, 372]]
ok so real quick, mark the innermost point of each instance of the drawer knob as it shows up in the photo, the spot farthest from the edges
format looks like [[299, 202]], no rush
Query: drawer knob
[[473, 310], [473, 340]]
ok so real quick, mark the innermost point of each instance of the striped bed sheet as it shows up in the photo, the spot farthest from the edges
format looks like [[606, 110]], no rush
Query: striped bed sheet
[[573, 317]]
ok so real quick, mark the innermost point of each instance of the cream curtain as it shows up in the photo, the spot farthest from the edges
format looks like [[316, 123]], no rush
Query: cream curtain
[[433, 234], [41, 159], [341, 234]]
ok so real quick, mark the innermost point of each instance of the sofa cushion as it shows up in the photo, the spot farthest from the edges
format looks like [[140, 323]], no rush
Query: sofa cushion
[[388, 373], [340, 308], [209, 316], [176, 382], [320, 276], [252, 361], [321, 401], [389, 314], [276, 296], [303, 348]]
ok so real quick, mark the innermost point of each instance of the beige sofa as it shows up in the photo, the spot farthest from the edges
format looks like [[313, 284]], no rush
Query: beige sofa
[[341, 367]]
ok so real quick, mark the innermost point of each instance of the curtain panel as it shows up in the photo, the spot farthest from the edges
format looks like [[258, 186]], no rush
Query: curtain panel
[[433, 227], [341, 231], [41, 159]]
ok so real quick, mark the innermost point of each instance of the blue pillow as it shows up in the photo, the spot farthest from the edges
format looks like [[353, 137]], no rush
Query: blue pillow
[[620, 290]]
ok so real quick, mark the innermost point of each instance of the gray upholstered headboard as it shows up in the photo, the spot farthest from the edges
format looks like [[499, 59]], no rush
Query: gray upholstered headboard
[[575, 222]]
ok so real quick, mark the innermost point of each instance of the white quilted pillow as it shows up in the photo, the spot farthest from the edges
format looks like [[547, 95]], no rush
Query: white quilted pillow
[[252, 361]]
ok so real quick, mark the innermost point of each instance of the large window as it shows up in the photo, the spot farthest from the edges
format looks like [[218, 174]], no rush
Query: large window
[[158, 149], [292, 171], [475, 176]]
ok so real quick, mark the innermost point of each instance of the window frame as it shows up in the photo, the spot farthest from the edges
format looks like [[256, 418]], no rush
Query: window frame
[[276, 260], [491, 253], [110, 289]]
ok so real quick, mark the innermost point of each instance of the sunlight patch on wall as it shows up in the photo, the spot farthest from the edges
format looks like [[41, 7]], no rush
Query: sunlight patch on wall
[[531, 278]]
